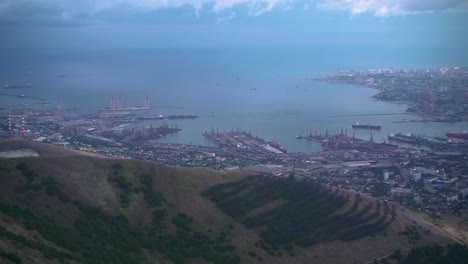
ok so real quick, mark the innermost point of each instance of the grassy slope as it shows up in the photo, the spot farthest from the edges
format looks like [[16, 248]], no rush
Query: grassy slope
[[84, 179]]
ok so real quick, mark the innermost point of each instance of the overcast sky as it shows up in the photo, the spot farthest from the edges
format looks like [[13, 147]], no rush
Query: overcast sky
[[32, 24]]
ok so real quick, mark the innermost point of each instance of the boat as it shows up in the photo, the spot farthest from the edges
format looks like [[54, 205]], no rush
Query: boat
[[275, 144], [22, 96], [405, 138], [388, 144], [186, 116], [462, 135], [356, 125], [156, 117], [17, 86]]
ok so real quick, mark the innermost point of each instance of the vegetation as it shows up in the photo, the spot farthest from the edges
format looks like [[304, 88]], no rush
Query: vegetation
[[30, 174], [188, 243], [11, 257], [96, 237], [100, 238], [285, 213], [151, 196], [380, 189], [412, 234], [451, 254], [124, 180], [37, 183], [310, 212], [47, 251]]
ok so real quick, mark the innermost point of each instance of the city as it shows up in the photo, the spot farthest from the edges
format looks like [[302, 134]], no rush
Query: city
[[425, 173], [437, 94], [234, 131]]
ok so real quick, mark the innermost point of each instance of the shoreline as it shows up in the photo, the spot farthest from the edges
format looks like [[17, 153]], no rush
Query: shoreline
[[427, 118]]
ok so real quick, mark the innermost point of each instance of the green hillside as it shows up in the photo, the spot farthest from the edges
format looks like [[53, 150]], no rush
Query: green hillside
[[65, 207], [97, 237]]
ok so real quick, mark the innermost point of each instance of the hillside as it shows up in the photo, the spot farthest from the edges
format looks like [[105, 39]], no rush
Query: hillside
[[61, 206]]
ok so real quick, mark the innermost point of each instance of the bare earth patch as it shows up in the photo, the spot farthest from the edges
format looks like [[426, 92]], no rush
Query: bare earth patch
[[19, 153]]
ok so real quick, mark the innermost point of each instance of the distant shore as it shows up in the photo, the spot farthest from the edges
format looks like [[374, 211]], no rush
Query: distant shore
[[425, 97]]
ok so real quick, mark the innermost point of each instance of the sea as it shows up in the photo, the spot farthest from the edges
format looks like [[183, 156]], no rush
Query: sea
[[266, 91]]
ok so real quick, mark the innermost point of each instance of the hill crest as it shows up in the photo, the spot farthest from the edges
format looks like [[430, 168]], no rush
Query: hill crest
[[64, 184]]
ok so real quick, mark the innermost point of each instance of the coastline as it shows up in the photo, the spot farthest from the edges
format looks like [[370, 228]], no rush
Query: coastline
[[426, 117]]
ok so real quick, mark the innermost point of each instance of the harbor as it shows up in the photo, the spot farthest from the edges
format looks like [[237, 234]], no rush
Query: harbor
[[342, 141], [244, 141]]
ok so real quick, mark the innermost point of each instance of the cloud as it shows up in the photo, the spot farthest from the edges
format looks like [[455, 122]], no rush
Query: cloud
[[391, 7], [74, 11], [67, 10], [225, 19]]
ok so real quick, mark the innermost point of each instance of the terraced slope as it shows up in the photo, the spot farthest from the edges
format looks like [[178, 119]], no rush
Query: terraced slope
[[304, 213]]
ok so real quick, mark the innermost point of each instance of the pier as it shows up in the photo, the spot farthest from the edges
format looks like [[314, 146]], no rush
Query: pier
[[336, 116], [244, 141]]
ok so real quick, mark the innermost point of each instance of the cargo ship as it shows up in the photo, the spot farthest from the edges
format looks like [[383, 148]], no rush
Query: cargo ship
[[462, 135], [17, 86], [389, 144], [275, 144], [188, 116], [156, 117], [405, 138], [356, 125]]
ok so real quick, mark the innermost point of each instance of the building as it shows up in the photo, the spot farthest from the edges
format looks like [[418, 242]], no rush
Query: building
[[401, 192], [356, 164], [416, 175], [387, 174], [266, 170]]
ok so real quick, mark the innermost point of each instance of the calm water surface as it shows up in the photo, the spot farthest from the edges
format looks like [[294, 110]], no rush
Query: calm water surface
[[262, 91]]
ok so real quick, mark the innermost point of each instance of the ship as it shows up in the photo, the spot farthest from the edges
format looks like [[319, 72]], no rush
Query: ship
[[405, 138], [17, 86], [388, 144], [186, 116], [356, 125], [22, 96], [131, 108], [117, 114], [462, 135], [275, 144], [156, 117]]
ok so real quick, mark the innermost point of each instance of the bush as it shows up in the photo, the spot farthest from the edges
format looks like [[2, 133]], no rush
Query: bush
[[11, 257]]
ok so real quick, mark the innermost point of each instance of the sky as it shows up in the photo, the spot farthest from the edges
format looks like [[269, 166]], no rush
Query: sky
[[390, 24]]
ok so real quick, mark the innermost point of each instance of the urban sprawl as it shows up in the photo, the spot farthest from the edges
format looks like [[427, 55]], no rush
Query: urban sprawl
[[425, 173]]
